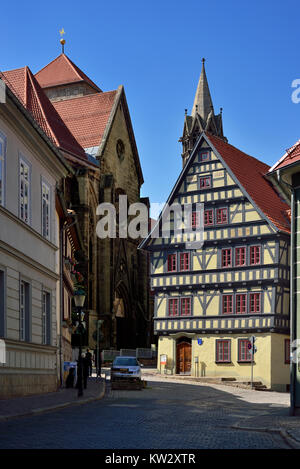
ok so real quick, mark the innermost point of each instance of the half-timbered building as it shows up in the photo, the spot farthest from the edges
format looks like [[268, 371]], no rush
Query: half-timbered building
[[209, 301]]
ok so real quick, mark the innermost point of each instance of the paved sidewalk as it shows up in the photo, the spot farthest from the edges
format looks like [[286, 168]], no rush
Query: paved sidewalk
[[285, 425], [36, 404], [275, 418]]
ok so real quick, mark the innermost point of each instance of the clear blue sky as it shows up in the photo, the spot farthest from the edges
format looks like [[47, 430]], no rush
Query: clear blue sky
[[154, 48]]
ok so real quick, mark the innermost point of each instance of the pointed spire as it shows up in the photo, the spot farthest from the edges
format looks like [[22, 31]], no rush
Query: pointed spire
[[202, 102]]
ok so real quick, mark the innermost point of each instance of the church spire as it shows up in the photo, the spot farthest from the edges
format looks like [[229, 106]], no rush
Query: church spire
[[202, 102], [202, 118]]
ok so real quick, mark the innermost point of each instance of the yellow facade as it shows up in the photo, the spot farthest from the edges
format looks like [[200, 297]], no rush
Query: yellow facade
[[263, 284], [269, 366]]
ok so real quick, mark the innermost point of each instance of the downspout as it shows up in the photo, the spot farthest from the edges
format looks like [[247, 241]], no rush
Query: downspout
[[292, 299]]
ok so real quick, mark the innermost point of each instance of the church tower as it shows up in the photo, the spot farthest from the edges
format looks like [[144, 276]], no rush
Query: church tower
[[203, 118]]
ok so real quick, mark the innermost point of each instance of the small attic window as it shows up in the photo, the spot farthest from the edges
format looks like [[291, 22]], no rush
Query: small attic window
[[204, 156]]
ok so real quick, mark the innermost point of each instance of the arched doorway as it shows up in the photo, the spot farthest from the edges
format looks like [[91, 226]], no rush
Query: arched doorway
[[125, 328], [183, 356]]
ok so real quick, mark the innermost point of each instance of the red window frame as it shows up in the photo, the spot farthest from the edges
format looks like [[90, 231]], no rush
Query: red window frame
[[223, 352], [206, 153], [221, 216], [287, 351], [244, 354], [172, 262], [195, 219], [208, 217], [173, 307], [240, 256], [254, 255], [226, 257], [255, 303], [241, 303], [184, 261], [204, 182], [227, 304], [185, 306]]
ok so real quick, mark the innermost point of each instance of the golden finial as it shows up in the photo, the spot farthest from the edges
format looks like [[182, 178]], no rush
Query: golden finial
[[62, 41]]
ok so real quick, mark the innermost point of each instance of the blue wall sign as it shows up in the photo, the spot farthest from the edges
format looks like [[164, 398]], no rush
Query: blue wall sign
[[200, 341]]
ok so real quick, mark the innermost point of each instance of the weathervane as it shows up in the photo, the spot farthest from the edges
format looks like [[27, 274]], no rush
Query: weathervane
[[62, 41]]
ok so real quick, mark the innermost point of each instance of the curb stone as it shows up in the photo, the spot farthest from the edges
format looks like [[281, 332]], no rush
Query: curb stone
[[55, 407], [289, 439]]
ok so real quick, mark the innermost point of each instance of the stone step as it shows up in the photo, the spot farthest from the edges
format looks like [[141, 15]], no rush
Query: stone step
[[261, 387]]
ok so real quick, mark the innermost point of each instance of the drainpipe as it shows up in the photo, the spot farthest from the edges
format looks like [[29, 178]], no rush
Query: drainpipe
[[292, 297]]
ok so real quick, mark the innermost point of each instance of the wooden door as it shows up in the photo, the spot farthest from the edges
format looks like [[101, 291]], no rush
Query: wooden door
[[184, 358]]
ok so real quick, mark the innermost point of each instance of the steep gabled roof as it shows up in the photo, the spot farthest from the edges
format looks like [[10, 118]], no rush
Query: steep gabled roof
[[90, 119], [87, 116], [25, 86], [291, 156], [62, 71], [249, 174]]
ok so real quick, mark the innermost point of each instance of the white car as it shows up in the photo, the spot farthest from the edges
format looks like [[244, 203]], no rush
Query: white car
[[126, 368]]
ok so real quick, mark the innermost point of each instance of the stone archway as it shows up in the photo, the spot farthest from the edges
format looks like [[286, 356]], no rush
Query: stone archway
[[124, 329]]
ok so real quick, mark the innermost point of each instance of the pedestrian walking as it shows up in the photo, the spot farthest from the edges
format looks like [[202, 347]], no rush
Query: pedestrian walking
[[88, 357]]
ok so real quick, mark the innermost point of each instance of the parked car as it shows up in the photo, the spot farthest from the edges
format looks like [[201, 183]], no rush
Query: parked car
[[126, 368]]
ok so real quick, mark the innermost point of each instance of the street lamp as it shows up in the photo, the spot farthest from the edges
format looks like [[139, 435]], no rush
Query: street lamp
[[79, 299]]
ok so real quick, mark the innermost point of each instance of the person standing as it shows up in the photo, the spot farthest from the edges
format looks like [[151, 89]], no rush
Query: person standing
[[88, 357]]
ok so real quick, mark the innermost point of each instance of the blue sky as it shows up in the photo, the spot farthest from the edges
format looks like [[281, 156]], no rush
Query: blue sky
[[155, 49]]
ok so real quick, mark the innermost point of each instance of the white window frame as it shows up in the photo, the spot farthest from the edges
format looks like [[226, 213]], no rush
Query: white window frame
[[46, 319], [3, 169], [25, 310], [46, 232], [27, 185], [22, 310]]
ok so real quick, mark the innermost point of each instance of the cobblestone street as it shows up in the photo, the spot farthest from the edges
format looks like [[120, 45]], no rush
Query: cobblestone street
[[165, 415]]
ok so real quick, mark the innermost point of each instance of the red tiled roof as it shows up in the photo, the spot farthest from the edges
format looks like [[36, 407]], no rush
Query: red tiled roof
[[62, 71], [87, 116], [250, 172], [291, 156], [25, 86]]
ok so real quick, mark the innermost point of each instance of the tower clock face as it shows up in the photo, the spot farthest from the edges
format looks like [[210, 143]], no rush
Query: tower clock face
[[120, 147]]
